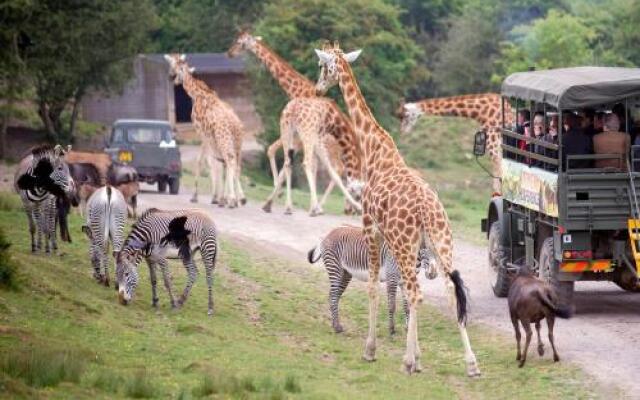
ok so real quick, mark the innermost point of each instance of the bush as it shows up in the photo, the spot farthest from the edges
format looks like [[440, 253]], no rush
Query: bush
[[107, 381], [140, 386], [8, 266], [39, 367]]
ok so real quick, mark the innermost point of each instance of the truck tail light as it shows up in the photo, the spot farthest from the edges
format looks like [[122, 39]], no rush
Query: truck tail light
[[577, 254]]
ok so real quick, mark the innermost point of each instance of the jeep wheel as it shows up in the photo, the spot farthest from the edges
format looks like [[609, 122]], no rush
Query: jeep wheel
[[162, 185], [548, 272], [174, 185], [498, 274]]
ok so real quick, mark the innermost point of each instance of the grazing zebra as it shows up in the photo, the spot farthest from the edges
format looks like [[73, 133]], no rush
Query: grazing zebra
[[105, 219], [344, 253], [187, 230], [41, 177]]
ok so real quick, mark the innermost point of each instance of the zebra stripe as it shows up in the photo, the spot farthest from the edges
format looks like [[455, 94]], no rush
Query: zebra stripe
[[105, 219], [344, 253], [189, 230]]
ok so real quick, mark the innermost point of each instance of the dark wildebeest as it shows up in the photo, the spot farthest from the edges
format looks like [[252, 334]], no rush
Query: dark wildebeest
[[125, 179], [530, 301], [88, 180]]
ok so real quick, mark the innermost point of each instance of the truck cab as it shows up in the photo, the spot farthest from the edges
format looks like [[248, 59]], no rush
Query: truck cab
[[150, 147], [568, 217]]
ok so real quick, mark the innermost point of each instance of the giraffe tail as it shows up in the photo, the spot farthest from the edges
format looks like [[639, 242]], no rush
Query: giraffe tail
[[461, 296]]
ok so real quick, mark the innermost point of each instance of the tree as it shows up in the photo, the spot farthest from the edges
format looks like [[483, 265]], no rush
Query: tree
[[388, 65], [558, 40], [80, 45], [465, 59], [202, 25]]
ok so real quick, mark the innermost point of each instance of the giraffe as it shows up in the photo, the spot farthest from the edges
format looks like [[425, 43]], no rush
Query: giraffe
[[219, 128], [399, 208], [308, 128], [485, 108]]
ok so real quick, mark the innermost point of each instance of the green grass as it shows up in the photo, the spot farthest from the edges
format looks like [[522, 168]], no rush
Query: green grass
[[270, 337]]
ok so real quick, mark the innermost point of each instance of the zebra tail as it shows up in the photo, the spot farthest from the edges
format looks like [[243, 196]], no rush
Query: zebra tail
[[314, 255], [461, 295], [107, 220]]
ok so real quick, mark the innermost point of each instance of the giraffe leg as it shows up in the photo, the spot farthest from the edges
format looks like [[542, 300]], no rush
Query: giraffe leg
[[213, 177], [271, 154], [232, 200], [406, 262], [268, 203], [326, 193], [470, 358], [373, 243], [326, 161], [201, 156], [287, 172], [220, 184], [310, 168]]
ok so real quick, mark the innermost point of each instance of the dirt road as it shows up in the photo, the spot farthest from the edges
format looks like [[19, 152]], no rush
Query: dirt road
[[603, 337]]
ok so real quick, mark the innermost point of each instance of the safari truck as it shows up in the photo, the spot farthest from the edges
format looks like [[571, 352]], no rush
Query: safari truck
[[566, 216], [149, 146]]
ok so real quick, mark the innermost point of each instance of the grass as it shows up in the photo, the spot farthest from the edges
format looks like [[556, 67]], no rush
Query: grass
[[270, 337]]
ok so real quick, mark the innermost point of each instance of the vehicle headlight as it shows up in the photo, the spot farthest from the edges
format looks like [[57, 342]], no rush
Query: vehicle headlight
[[125, 156]]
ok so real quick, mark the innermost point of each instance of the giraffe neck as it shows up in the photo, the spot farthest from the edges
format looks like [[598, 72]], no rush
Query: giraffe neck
[[377, 146], [348, 142], [484, 108], [291, 81], [196, 88]]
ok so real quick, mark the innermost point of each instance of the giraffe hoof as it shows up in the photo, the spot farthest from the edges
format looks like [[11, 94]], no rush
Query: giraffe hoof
[[243, 201], [266, 208], [288, 211], [194, 200], [473, 371], [214, 201], [541, 350]]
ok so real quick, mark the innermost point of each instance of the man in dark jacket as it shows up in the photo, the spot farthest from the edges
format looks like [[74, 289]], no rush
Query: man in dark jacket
[[575, 142]]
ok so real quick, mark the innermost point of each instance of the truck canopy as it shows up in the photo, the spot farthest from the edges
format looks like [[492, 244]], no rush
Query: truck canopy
[[571, 88]]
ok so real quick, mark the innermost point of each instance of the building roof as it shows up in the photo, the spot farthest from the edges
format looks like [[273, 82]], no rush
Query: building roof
[[574, 87], [208, 63]]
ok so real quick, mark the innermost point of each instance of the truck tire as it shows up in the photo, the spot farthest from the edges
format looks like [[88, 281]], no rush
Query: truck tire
[[174, 185], [162, 185], [498, 255], [628, 282], [548, 272]]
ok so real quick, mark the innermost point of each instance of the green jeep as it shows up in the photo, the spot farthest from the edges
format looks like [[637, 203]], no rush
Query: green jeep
[[148, 146]]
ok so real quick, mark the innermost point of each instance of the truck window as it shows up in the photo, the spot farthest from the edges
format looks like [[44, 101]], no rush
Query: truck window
[[146, 134], [117, 136]]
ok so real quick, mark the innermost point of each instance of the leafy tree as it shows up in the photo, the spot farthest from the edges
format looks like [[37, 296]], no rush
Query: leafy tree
[[202, 25], [465, 59], [558, 40], [387, 66], [78, 45]]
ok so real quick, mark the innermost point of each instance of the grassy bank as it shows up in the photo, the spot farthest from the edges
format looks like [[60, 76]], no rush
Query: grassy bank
[[64, 336]]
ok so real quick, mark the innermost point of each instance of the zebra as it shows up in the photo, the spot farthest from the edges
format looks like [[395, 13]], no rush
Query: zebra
[[345, 254], [188, 230], [106, 215], [41, 178]]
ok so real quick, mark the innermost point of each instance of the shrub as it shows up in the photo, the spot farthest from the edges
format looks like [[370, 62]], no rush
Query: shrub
[[39, 367], [140, 386], [291, 384], [8, 266]]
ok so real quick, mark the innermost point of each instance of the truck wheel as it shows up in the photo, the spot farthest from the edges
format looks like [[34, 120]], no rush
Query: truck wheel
[[628, 282], [498, 274], [162, 185], [548, 272], [174, 185]]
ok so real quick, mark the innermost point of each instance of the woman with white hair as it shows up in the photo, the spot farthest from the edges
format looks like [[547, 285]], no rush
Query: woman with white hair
[[612, 141]]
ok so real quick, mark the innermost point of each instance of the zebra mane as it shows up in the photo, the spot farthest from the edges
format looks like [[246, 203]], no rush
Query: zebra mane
[[147, 212], [42, 151]]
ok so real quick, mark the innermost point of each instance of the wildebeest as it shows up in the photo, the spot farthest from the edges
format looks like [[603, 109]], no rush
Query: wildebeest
[[88, 180], [530, 301]]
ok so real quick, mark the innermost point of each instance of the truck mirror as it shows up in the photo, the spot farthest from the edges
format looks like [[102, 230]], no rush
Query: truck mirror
[[480, 143]]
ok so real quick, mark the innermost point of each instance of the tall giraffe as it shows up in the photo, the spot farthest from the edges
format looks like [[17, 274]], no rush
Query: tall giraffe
[[483, 108], [219, 128], [399, 208], [308, 122]]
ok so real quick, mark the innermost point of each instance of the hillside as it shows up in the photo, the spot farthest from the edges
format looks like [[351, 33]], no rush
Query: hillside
[[64, 336]]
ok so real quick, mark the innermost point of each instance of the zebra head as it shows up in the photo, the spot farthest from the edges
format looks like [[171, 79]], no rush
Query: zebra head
[[127, 262], [49, 172], [426, 261]]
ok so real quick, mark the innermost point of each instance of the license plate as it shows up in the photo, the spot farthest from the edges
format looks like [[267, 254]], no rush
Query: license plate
[[125, 156]]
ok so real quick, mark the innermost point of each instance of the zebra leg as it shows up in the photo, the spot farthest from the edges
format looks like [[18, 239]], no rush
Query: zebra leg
[[154, 283], [52, 218], [37, 215], [192, 273], [335, 293], [392, 289], [96, 260], [104, 255], [32, 228], [166, 276], [208, 253]]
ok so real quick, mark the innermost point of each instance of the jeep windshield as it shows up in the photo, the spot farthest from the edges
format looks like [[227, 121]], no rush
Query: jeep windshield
[[141, 134]]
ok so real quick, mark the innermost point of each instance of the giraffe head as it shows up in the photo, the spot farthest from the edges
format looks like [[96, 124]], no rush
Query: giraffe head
[[178, 67], [330, 58], [408, 114], [244, 42]]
